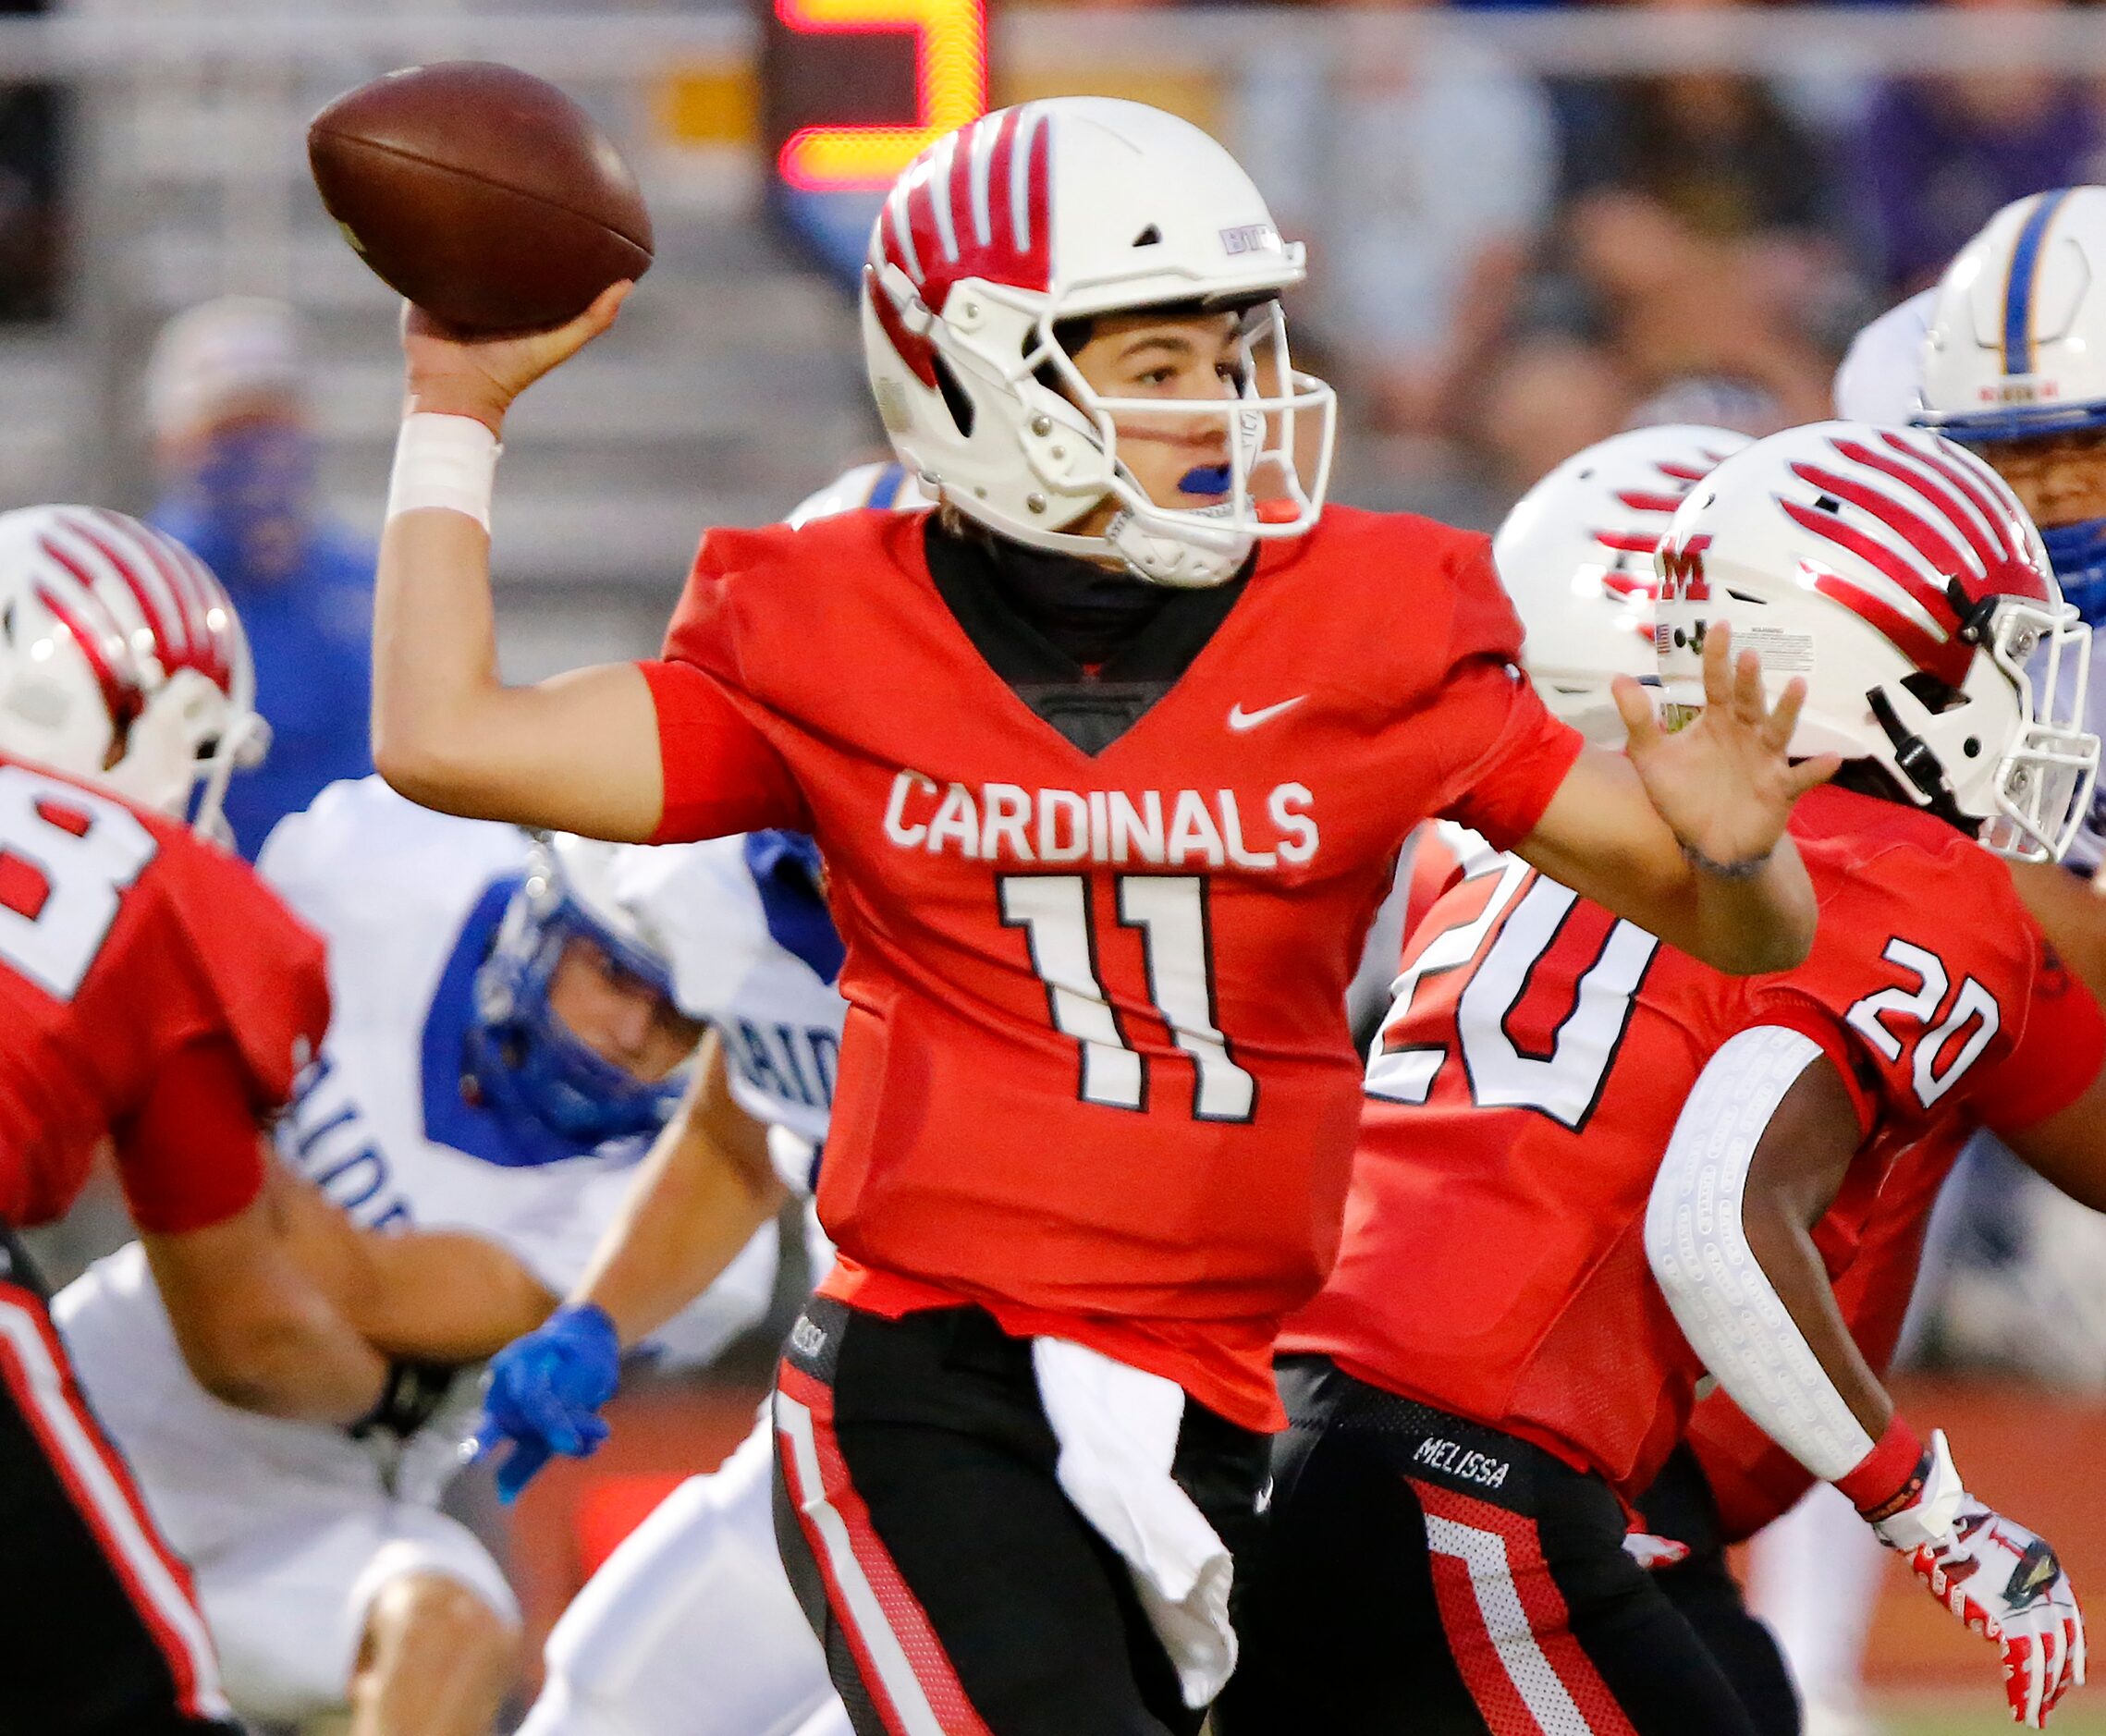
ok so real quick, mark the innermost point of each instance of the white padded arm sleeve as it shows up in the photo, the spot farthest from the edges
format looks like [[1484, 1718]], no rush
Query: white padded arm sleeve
[[1727, 1307]]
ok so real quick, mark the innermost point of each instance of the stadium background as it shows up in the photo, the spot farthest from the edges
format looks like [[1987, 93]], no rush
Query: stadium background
[[1528, 226]]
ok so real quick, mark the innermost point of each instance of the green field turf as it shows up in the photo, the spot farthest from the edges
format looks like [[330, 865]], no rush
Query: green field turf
[[1950, 1717]]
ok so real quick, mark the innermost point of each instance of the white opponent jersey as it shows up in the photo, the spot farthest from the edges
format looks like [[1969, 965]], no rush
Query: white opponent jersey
[[1880, 380], [754, 954], [408, 901]]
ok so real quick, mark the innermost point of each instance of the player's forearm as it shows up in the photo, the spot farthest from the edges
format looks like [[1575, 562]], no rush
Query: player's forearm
[[423, 1295], [1748, 927], [1744, 926], [434, 658], [273, 1342], [1602, 837], [689, 1216], [1793, 1266], [442, 1297], [577, 752]]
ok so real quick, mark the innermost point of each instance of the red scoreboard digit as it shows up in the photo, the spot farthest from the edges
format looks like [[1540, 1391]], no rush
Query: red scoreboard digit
[[845, 110]]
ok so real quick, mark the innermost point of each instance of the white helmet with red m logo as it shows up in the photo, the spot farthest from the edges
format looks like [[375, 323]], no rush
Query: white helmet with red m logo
[[1576, 556], [121, 659], [1899, 575], [1063, 210]]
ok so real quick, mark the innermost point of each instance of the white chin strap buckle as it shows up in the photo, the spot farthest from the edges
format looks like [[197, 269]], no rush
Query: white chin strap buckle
[[1164, 559]]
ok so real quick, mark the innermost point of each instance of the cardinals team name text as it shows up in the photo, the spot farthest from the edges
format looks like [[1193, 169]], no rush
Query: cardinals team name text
[[1172, 827]]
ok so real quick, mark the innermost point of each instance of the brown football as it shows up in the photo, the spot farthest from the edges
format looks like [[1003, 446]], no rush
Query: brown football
[[481, 193]]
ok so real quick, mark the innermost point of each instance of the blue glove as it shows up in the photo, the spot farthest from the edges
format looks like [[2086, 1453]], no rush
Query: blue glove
[[544, 1394]]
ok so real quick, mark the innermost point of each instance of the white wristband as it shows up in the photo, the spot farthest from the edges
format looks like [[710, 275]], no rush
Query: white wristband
[[447, 462]]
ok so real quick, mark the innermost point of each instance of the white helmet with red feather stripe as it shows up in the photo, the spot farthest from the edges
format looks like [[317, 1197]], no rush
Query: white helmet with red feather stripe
[[1898, 574], [122, 659], [1576, 556], [1060, 210]]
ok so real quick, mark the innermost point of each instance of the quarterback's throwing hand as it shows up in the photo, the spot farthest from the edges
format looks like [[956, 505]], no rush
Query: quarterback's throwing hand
[[1724, 783], [455, 375], [545, 1392]]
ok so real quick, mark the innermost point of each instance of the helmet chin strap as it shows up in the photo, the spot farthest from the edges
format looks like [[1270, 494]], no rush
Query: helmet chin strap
[[1164, 559]]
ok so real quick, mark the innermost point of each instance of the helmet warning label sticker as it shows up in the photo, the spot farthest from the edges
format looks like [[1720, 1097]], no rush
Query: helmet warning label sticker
[[1782, 651]]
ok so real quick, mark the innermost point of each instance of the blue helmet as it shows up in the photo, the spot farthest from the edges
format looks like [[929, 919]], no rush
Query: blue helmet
[[2016, 350], [525, 1062]]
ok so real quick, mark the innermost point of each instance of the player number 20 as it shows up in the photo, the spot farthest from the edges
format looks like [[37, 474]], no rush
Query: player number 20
[[1169, 913], [1562, 1080]]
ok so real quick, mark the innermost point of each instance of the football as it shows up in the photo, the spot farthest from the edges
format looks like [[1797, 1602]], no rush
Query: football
[[480, 192]]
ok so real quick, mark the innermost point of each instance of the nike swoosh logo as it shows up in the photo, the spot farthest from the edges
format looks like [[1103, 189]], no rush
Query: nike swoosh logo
[[1240, 719]]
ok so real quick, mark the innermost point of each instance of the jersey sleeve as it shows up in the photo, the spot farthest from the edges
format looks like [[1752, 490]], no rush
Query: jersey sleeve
[[190, 1155], [1784, 1004], [2057, 1055], [1513, 755], [722, 774], [263, 971]]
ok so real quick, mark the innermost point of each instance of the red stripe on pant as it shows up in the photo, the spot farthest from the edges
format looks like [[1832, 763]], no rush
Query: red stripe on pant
[[911, 1637], [1548, 1658], [31, 1399]]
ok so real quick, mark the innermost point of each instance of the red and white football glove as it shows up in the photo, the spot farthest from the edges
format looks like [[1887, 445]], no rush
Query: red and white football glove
[[1654, 1552], [1996, 1577]]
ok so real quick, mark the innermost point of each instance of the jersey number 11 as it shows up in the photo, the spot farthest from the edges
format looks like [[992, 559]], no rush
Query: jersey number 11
[[1169, 912]]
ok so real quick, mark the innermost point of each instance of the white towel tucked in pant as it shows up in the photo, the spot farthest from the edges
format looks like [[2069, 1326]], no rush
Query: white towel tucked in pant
[[1117, 1430]]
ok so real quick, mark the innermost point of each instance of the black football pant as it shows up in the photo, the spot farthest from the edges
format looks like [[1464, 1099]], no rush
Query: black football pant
[[955, 1589], [1680, 1505], [1428, 1577], [100, 1633]]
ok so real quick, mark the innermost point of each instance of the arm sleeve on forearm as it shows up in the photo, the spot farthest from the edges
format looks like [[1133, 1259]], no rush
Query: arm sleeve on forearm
[[1698, 1248]]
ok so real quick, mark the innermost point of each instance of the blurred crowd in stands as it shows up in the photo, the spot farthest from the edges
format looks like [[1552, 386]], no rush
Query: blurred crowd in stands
[[1511, 268]]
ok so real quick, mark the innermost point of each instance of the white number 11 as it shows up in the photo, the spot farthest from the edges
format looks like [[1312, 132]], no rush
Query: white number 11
[[1170, 910]]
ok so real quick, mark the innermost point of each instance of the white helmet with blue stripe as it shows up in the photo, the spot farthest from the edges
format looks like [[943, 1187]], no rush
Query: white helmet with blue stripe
[[558, 1092], [2016, 350]]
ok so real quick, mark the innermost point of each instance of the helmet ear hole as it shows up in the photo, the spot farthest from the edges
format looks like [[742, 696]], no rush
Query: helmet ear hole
[[956, 399], [1932, 694]]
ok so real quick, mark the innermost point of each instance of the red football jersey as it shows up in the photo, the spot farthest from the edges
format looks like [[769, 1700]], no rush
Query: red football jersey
[[1524, 1086], [123, 939], [1096, 1075]]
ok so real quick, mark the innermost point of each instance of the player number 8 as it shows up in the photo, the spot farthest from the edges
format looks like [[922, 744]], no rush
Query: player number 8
[[81, 851]]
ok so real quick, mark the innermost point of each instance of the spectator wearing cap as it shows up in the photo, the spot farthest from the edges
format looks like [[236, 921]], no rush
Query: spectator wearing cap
[[226, 402]]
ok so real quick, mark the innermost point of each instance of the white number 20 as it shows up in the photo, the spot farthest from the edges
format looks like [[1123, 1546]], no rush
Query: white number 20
[[1973, 1004], [85, 874], [1564, 1081]]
